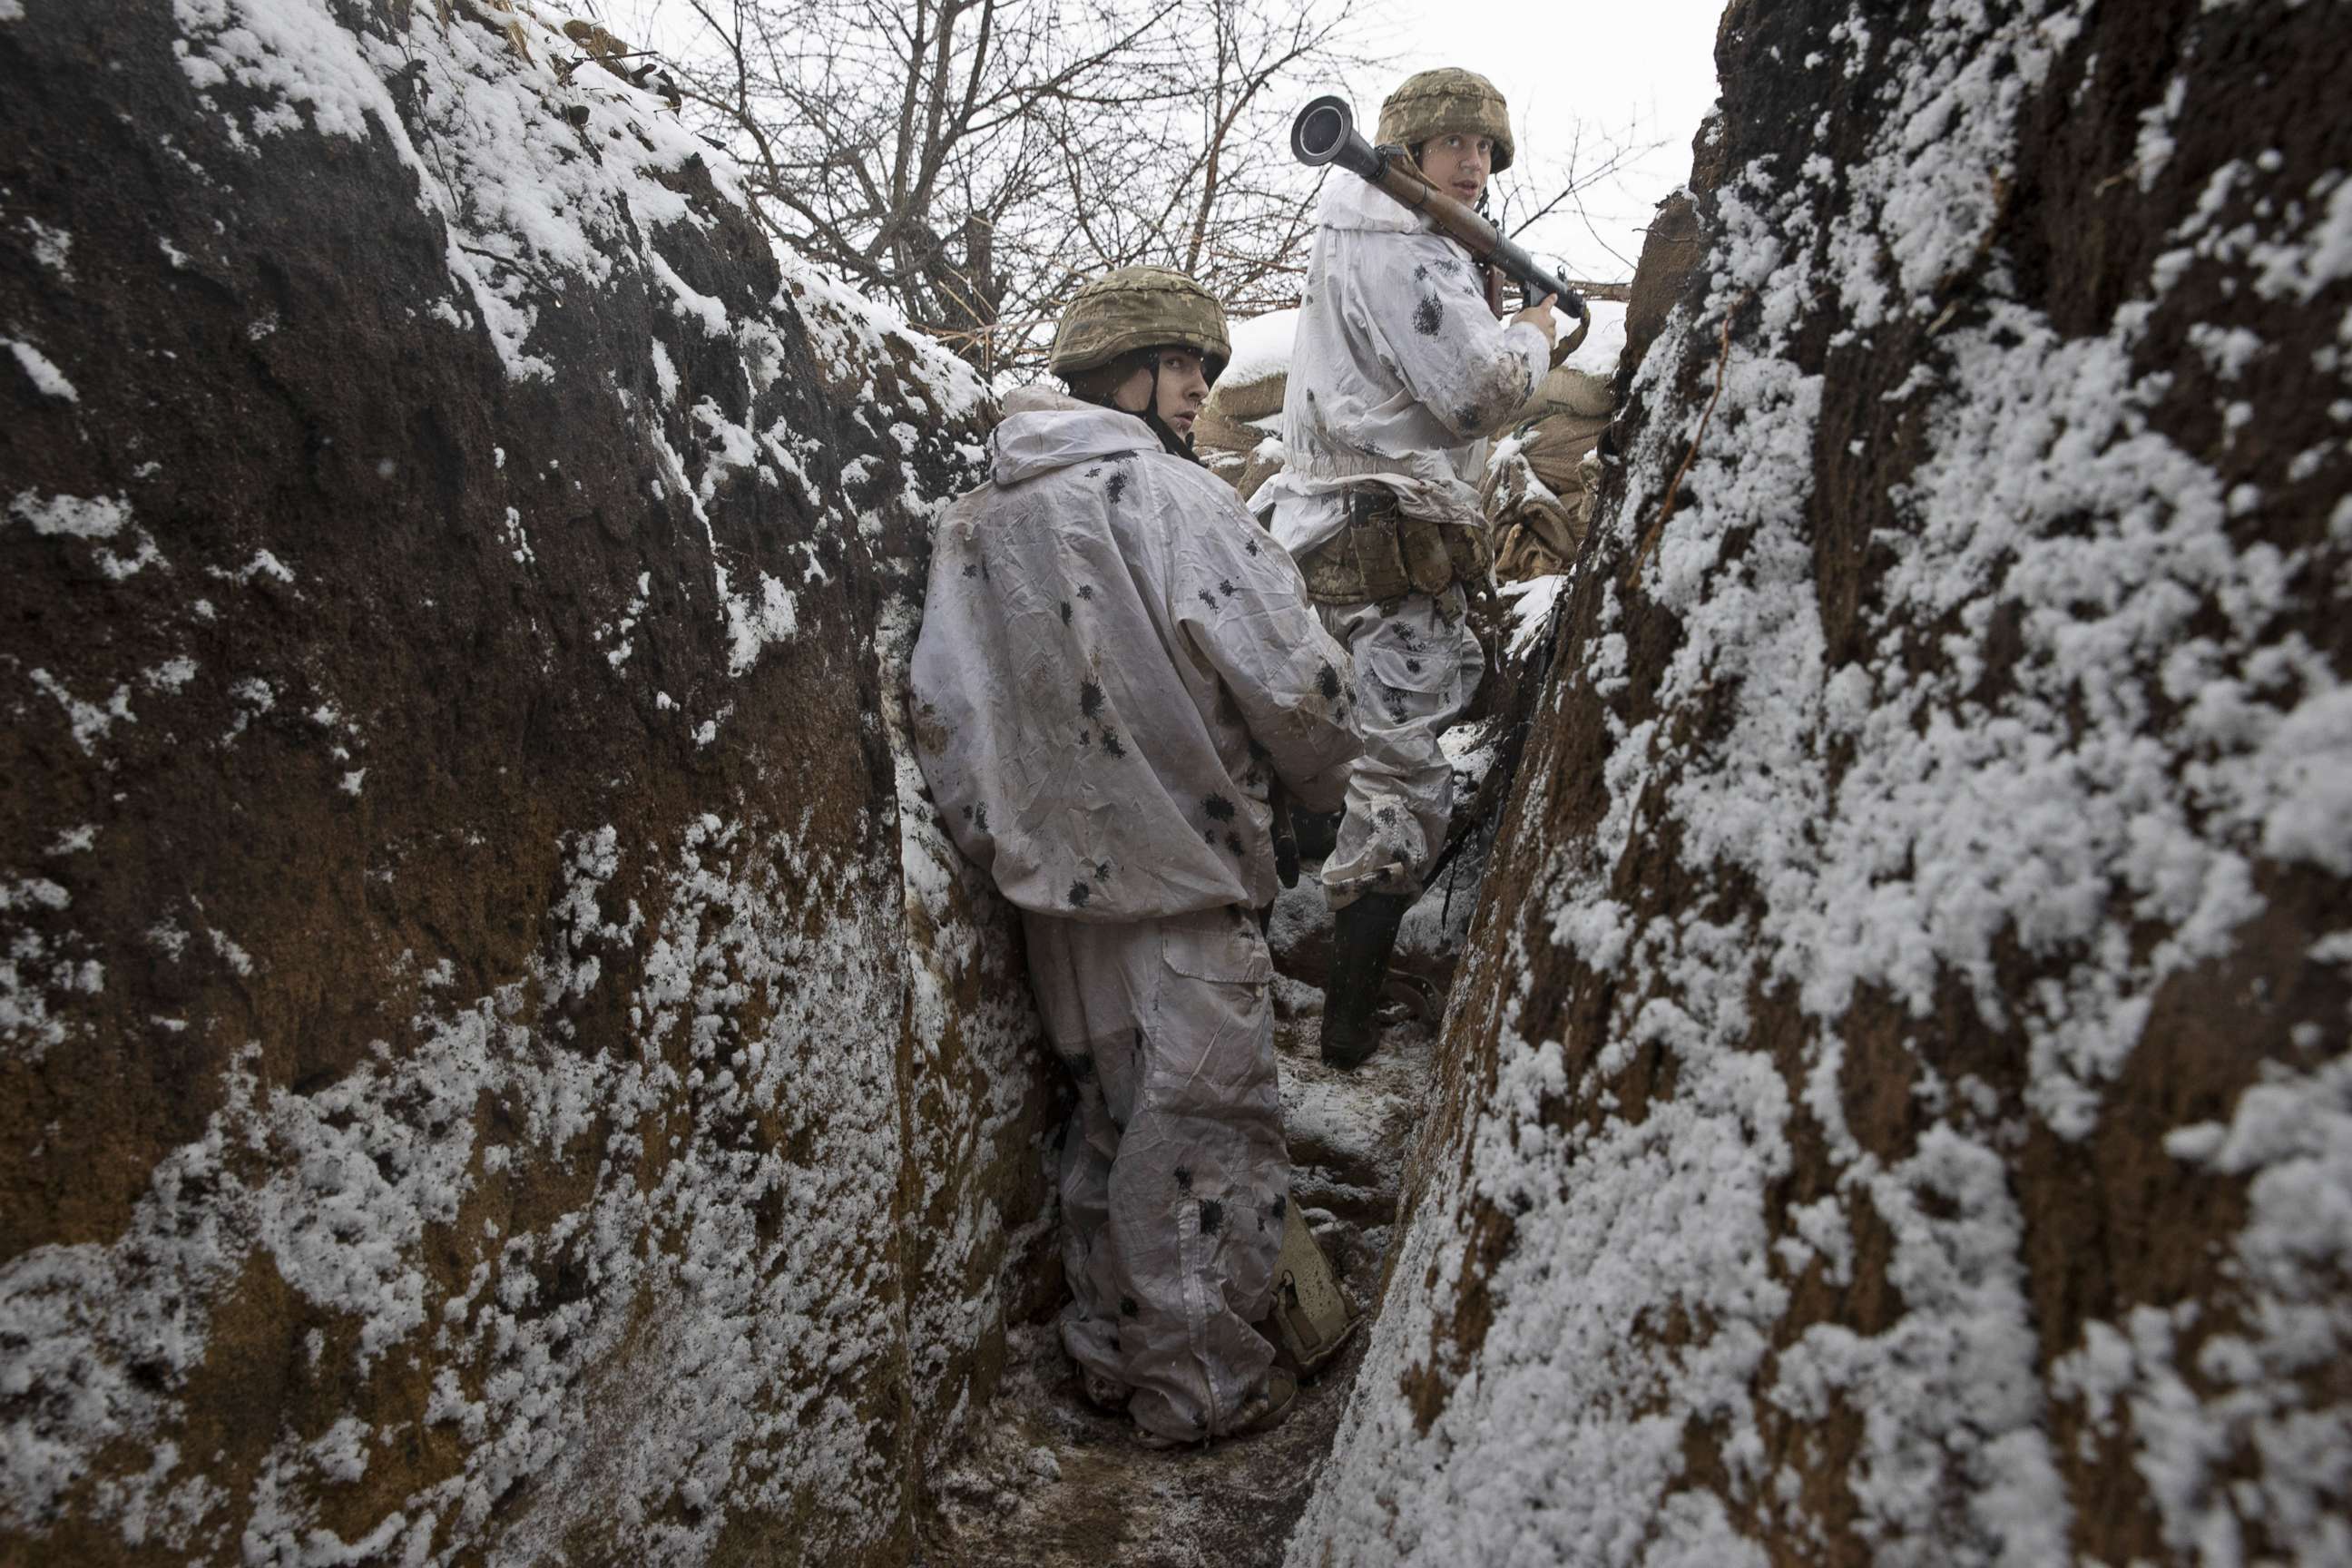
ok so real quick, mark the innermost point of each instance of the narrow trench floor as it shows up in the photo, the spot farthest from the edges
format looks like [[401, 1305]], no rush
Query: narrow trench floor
[[1049, 1481]]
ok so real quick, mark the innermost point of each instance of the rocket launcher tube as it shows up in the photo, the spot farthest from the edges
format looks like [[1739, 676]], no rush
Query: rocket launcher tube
[[1325, 132]]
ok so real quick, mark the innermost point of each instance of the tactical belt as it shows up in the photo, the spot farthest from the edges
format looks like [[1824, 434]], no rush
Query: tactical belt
[[1381, 555]]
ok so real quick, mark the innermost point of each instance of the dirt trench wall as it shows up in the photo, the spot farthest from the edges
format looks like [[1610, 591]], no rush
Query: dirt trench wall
[[1899, 1100], [496, 1063]]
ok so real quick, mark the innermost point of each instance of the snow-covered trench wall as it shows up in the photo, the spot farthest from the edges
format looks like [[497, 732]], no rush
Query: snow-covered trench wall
[[495, 1065], [1899, 1108]]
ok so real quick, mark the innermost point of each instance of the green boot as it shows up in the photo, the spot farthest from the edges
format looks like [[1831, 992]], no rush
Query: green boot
[[1362, 937]]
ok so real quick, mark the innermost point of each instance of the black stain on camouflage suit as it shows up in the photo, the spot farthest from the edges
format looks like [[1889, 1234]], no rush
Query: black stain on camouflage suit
[[1218, 807], [1110, 743], [1212, 1216], [1428, 316], [1127, 1307], [1234, 842], [1090, 699], [1208, 598], [1183, 1179], [1327, 681], [1079, 893], [1066, 612], [1118, 487]]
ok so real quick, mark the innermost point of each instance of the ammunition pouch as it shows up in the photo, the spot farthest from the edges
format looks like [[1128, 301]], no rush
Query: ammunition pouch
[[1382, 553]]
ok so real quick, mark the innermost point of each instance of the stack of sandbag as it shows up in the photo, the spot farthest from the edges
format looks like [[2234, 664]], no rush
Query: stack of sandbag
[[1536, 491], [1235, 435]]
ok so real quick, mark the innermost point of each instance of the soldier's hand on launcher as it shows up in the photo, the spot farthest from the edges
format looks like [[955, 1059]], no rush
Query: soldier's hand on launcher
[[1539, 315]]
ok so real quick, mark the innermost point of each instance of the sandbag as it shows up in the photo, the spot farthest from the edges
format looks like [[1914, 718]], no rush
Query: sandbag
[[1215, 428], [1258, 399], [1566, 390], [1555, 449]]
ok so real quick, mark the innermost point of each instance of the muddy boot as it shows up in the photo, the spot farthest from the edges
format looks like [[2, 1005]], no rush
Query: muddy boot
[[1104, 1394], [1267, 1408], [1262, 1412], [1362, 937]]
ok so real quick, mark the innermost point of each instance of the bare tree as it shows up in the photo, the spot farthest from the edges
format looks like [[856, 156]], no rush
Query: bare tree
[[966, 160], [972, 160], [1209, 186], [1561, 180]]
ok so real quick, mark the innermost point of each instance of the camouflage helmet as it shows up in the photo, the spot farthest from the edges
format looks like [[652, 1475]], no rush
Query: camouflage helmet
[[1140, 308], [1444, 102]]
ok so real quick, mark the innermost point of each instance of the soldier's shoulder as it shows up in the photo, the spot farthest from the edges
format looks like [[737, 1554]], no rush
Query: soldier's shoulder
[[1190, 479]]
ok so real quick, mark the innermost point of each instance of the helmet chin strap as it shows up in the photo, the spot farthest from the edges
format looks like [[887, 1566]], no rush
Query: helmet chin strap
[[1177, 446]]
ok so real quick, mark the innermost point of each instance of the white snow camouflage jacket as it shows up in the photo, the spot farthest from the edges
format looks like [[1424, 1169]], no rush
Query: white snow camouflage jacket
[[1112, 656], [1398, 374]]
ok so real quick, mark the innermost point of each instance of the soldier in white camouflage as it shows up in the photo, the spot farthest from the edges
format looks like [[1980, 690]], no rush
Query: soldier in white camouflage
[[1115, 667], [1399, 374]]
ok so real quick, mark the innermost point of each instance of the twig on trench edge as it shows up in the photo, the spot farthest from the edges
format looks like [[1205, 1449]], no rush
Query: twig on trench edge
[[1674, 485]]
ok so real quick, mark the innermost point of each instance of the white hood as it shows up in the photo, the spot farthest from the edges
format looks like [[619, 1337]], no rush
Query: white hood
[[1046, 430], [1115, 664], [1360, 206]]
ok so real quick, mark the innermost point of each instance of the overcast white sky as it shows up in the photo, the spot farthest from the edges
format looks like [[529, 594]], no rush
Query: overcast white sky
[[1646, 68]]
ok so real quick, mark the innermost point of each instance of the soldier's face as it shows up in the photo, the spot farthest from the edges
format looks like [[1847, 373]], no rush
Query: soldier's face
[[1183, 387], [1458, 164]]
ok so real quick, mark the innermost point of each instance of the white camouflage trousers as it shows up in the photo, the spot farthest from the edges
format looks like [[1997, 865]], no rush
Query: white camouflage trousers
[[1175, 1179], [1418, 665]]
